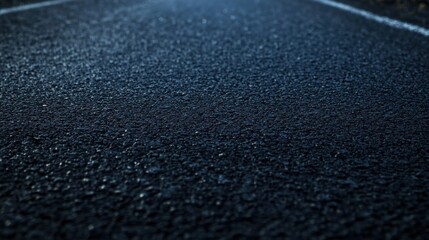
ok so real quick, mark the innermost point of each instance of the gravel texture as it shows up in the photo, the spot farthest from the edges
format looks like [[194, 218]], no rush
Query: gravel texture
[[209, 119]]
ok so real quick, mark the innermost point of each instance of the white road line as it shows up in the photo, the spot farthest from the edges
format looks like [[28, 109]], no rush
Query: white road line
[[384, 20], [31, 6]]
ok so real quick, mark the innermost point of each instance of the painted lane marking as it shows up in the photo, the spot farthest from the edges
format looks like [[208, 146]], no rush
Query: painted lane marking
[[380, 19], [31, 6]]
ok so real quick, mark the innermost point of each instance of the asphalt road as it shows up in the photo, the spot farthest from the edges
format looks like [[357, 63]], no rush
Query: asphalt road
[[211, 119]]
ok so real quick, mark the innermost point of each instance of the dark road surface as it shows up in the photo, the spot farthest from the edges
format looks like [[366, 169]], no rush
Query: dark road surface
[[211, 119]]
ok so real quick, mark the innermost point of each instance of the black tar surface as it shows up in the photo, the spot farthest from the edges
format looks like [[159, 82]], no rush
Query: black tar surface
[[211, 119]]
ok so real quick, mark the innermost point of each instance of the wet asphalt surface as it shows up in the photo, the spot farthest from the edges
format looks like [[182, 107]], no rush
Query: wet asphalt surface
[[211, 119]]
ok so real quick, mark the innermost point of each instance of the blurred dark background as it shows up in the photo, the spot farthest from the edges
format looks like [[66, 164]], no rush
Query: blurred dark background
[[9, 3], [413, 11]]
